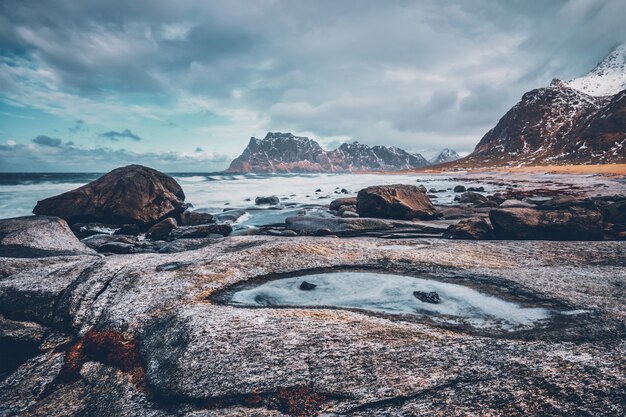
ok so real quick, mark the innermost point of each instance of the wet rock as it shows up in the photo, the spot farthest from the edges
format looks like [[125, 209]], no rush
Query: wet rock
[[433, 191], [427, 297], [398, 201], [513, 203], [422, 189], [307, 286], [128, 229], [352, 227], [348, 214], [288, 233], [194, 218], [116, 244], [131, 194], [162, 229], [344, 191], [469, 229], [470, 197], [271, 200], [525, 223], [565, 202], [183, 245], [200, 231], [230, 215], [39, 236], [476, 189], [83, 230], [615, 212], [459, 189], [486, 204], [346, 201]]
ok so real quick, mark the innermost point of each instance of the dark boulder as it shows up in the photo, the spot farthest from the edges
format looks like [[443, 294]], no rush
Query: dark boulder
[[615, 212], [422, 189], [459, 189], [128, 229], [524, 223], [162, 229], [470, 197], [39, 236], [307, 286], [346, 201], [476, 189], [400, 201], [201, 231], [131, 194], [470, 229], [427, 297], [271, 200], [194, 218]]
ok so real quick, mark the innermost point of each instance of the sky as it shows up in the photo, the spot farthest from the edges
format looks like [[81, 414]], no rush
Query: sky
[[181, 85]]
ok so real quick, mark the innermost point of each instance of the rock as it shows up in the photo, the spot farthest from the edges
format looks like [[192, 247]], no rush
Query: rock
[[39, 236], [433, 191], [203, 230], [525, 223], [427, 297], [470, 197], [459, 189], [307, 286], [422, 189], [486, 204], [398, 201], [288, 233], [497, 197], [162, 229], [349, 214], [565, 202], [319, 190], [271, 200], [344, 191], [346, 201], [117, 248], [230, 215], [128, 229], [469, 229], [183, 245], [513, 203], [615, 212], [194, 218], [351, 227], [118, 244], [83, 230], [131, 194], [476, 189]]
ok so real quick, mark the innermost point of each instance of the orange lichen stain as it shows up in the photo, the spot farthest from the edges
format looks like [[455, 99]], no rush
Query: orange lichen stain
[[108, 347]]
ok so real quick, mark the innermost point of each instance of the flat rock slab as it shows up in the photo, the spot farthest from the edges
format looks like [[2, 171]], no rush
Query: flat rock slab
[[190, 353]]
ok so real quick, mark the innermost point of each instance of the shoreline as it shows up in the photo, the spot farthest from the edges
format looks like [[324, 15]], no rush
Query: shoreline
[[609, 170]]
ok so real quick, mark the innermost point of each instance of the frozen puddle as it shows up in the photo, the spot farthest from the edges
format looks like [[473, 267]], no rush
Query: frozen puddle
[[393, 294]]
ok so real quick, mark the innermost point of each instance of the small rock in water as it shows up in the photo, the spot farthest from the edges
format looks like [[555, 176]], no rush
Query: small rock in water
[[459, 189], [427, 297], [307, 286], [271, 200]]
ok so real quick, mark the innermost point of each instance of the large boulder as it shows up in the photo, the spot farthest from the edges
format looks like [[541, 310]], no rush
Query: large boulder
[[469, 229], [400, 201], [39, 236], [131, 194], [574, 223]]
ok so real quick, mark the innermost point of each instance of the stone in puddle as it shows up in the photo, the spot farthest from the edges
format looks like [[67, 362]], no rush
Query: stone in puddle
[[307, 286], [427, 297]]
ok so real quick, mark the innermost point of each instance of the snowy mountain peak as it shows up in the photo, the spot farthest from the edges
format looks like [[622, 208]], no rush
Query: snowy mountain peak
[[446, 155], [607, 78]]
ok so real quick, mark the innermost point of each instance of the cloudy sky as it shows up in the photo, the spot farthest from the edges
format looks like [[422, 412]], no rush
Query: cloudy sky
[[182, 85]]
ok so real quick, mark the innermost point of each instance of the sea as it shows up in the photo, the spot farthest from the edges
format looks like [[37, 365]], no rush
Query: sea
[[229, 195]]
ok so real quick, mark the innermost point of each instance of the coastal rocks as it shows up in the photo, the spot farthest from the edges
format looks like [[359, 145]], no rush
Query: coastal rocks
[[459, 189], [574, 223], [162, 229], [200, 231], [342, 202], [131, 194], [271, 200], [471, 197], [404, 202], [427, 297], [469, 229], [307, 286], [38, 236], [363, 227], [194, 218], [513, 203]]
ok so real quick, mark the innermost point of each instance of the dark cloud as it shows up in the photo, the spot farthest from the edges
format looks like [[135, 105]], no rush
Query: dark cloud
[[44, 140], [412, 74], [125, 134]]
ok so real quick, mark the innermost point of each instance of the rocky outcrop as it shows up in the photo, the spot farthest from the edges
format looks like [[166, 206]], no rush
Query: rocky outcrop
[[398, 201], [37, 236], [362, 227], [284, 152], [152, 336], [469, 229], [573, 223], [131, 194]]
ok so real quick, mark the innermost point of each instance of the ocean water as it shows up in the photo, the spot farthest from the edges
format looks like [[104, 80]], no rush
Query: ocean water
[[217, 192]]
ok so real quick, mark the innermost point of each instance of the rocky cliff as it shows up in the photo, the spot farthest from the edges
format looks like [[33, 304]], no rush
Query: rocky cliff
[[284, 152]]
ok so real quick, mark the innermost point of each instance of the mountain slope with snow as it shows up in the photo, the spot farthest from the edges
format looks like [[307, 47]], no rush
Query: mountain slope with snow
[[607, 78], [446, 155]]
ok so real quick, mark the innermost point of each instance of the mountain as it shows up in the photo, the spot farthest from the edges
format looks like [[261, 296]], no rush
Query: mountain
[[556, 125], [607, 78], [284, 152], [447, 155]]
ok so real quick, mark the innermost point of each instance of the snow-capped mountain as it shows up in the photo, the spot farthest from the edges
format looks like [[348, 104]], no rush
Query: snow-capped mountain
[[556, 125], [447, 155], [284, 152], [607, 78]]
